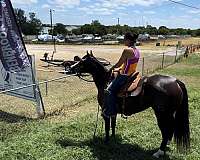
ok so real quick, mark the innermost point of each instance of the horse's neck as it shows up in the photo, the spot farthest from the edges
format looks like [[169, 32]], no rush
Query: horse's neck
[[101, 80], [101, 76]]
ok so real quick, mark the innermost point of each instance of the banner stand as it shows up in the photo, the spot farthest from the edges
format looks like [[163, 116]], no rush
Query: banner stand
[[38, 97], [39, 102]]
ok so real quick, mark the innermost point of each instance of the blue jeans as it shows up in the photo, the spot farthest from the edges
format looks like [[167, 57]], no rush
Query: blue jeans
[[110, 99]]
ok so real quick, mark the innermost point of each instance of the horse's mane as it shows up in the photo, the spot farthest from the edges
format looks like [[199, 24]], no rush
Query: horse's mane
[[102, 74], [97, 62]]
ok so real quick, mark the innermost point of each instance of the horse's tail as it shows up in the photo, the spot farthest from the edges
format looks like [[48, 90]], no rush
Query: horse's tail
[[182, 129]]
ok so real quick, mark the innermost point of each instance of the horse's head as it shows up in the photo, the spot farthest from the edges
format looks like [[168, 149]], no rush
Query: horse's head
[[90, 64], [87, 64]]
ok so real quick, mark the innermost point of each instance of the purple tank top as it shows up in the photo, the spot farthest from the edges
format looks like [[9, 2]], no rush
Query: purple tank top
[[131, 61]]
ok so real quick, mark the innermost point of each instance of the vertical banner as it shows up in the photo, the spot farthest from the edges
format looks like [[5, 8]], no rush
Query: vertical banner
[[10, 80], [17, 69], [13, 54]]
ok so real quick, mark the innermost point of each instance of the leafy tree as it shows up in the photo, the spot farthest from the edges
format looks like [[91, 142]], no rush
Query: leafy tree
[[86, 29], [98, 28], [163, 30], [21, 19], [94, 28], [77, 31], [197, 32], [59, 28], [31, 26], [34, 24], [151, 30]]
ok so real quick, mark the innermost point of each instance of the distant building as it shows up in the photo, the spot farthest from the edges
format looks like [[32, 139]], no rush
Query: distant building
[[46, 28], [71, 27]]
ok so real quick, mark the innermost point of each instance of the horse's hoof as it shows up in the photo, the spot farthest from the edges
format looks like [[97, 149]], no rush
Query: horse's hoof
[[159, 153]]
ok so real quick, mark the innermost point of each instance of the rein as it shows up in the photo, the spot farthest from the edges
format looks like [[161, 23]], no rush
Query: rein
[[79, 75]]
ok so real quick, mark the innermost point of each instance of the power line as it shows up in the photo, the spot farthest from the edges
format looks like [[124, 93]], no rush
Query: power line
[[183, 4]]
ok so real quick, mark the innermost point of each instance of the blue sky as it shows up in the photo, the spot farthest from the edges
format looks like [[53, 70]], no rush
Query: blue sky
[[130, 12]]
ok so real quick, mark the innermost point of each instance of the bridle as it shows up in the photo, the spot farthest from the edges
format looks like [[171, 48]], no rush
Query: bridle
[[80, 76]]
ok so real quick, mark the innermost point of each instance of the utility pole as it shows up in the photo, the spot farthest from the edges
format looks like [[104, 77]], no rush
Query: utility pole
[[51, 20], [117, 25], [53, 39]]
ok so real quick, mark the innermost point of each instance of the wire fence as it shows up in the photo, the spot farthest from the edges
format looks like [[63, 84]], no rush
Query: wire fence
[[66, 92], [151, 63]]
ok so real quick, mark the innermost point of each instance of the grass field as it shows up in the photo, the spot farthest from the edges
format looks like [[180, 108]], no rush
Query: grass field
[[67, 131]]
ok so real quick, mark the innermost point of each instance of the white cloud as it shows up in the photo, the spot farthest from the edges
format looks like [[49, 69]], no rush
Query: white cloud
[[149, 12], [115, 3], [194, 11], [64, 3], [108, 7], [92, 10], [24, 1], [136, 12], [86, 0], [45, 6]]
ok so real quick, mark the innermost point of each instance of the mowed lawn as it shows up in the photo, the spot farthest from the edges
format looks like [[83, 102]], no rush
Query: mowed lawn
[[69, 136]]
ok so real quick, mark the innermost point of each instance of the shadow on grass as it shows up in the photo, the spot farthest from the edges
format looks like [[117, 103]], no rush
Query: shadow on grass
[[115, 150], [12, 118]]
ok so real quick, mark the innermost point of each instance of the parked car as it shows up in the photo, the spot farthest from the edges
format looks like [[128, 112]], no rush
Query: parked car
[[161, 37], [60, 38], [143, 37], [45, 37], [88, 38], [34, 40]]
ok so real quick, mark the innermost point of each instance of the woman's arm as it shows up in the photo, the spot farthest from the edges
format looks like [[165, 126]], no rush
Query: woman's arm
[[127, 53]]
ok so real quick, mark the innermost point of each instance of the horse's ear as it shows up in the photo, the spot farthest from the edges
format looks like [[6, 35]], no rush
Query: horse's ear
[[88, 53], [91, 54]]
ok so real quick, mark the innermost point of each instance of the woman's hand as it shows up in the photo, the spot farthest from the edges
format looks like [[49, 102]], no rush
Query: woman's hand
[[117, 69]]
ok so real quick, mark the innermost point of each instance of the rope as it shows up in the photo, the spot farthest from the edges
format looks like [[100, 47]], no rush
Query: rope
[[85, 79], [81, 77], [96, 124]]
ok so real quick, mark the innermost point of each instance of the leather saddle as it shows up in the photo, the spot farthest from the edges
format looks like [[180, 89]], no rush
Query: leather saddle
[[133, 87]]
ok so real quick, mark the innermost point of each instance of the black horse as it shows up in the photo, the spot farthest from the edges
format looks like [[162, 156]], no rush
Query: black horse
[[166, 95]]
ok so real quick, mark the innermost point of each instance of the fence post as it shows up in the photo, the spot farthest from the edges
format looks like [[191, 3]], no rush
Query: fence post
[[46, 87], [163, 58], [175, 60], [40, 105], [142, 66]]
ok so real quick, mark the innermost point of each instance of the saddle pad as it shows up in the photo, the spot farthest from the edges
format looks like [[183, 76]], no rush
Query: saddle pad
[[130, 87], [134, 84]]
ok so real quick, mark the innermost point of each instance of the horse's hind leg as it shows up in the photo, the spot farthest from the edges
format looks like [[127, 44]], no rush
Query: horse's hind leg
[[171, 128], [113, 125], [164, 123]]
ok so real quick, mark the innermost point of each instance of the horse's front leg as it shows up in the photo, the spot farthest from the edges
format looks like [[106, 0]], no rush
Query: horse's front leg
[[107, 128], [113, 125]]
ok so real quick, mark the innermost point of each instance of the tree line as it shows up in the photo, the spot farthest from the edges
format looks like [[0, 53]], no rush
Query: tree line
[[31, 25]]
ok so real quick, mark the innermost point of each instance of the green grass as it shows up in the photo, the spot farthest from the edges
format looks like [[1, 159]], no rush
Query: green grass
[[68, 134]]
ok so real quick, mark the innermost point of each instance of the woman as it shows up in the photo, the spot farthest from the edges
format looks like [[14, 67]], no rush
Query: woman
[[125, 66]]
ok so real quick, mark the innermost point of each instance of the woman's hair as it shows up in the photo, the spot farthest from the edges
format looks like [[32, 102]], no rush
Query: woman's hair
[[131, 37]]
